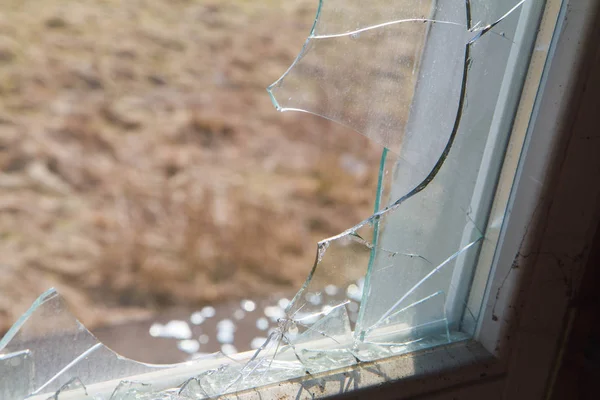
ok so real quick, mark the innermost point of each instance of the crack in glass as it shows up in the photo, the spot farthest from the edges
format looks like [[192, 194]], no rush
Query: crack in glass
[[374, 69]]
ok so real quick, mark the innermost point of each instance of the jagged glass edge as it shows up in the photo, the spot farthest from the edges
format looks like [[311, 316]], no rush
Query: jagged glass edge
[[16, 327], [47, 295], [296, 60]]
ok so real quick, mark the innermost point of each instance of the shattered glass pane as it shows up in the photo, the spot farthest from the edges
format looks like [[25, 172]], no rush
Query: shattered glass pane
[[57, 349], [433, 112]]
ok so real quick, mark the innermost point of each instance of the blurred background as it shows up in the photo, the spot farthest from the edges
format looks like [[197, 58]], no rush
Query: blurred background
[[145, 174]]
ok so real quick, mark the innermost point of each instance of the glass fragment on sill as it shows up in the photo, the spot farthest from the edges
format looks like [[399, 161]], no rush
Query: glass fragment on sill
[[191, 389], [362, 68], [127, 390]]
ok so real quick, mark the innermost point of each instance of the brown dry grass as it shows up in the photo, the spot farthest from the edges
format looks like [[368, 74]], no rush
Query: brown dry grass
[[142, 165]]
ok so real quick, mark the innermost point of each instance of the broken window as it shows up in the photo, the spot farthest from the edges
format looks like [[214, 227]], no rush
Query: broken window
[[442, 117]]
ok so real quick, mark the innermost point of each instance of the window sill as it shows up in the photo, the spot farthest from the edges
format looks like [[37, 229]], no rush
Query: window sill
[[403, 376]]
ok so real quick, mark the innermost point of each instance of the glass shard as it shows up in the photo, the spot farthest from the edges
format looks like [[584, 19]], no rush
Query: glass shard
[[326, 343], [57, 348], [192, 390], [132, 391]]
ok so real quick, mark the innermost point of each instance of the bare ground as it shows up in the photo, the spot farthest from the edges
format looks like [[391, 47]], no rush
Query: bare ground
[[142, 165]]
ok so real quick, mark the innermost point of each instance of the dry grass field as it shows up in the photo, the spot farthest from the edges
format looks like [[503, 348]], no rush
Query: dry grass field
[[142, 165]]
